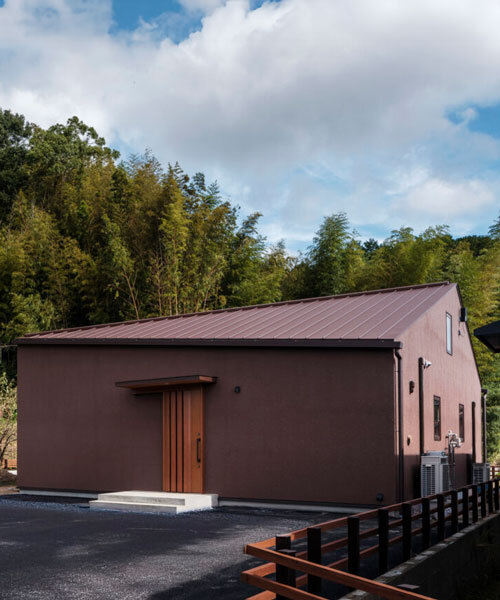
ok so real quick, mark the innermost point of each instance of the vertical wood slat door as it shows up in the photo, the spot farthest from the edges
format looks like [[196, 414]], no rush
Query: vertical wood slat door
[[183, 440]]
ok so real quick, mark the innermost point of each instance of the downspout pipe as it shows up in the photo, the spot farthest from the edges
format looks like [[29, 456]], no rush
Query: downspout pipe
[[474, 457], [484, 393], [401, 453], [421, 404]]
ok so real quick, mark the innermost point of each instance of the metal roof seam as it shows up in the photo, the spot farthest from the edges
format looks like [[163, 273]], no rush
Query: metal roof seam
[[342, 317], [301, 315], [269, 314], [402, 306], [397, 298], [422, 313], [413, 310], [337, 308]]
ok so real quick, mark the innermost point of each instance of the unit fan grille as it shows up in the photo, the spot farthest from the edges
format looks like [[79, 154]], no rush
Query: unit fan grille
[[428, 480]]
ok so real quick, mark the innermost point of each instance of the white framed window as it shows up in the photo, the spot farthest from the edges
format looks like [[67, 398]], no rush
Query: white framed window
[[449, 331]]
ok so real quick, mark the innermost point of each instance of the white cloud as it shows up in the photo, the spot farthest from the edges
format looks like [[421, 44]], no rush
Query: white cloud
[[444, 200], [351, 95]]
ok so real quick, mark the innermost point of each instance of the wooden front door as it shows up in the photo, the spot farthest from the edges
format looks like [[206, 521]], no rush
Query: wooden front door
[[183, 440]]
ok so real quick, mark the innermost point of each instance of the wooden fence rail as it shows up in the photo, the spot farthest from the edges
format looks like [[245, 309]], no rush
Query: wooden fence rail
[[455, 509]]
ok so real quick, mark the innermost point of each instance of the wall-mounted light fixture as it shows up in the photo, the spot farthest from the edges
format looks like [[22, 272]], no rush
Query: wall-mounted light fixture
[[237, 389], [412, 386]]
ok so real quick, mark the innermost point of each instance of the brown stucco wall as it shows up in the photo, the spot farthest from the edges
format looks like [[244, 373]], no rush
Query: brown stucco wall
[[309, 424], [453, 378]]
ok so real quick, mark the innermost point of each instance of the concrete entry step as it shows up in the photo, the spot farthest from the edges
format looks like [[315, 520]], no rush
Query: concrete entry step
[[166, 502], [132, 507], [141, 498]]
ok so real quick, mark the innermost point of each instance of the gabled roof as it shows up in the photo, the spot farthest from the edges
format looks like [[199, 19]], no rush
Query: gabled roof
[[370, 319]]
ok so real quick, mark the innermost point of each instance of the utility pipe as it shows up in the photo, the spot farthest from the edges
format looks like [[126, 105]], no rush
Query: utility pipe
[[474, 457], [484, 393], [401, 454], [421, 403]]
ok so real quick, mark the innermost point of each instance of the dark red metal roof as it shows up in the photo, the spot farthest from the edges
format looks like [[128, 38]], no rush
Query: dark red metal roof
[[368, 319]]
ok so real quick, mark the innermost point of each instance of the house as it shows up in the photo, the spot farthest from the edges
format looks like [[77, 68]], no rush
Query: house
[[325, 401]]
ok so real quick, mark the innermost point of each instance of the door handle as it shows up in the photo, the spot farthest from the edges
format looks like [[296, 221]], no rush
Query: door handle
[[198, 449]]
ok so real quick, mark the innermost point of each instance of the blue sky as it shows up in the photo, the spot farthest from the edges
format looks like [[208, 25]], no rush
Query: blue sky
[[127, 13], [388, 111], [485, 119]]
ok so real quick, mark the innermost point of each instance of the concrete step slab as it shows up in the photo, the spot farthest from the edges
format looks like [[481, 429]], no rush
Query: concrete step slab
[[133, 507], [137, 498], [172, 502]]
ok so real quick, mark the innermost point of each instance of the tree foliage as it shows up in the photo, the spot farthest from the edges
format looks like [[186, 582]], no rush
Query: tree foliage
[[85, 238]]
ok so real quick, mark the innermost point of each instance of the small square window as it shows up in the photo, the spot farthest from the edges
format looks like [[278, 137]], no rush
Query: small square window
[[437, 418], [449, 331]]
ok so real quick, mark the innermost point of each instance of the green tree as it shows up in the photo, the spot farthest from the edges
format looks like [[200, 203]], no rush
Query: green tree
[[255, 274], [15, 133], [494, 230], [174, 231], [333, 258], [407, 259]]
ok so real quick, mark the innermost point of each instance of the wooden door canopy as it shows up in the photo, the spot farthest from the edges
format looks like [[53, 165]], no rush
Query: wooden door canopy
[[158, 385]]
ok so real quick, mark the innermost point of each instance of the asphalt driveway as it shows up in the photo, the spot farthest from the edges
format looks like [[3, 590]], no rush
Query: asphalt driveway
[[54, 551]]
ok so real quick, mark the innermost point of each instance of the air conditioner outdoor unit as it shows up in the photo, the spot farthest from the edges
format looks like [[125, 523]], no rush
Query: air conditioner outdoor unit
[[480, 472], [435, 474]]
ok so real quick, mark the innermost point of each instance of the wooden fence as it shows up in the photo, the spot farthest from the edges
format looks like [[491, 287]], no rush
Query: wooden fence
[[455, 509]]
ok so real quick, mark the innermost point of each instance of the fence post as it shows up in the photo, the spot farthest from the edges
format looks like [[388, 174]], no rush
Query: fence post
[[426, 523], [440, 515], [283, 542], [285, 574], [314, 556], [383, 540], [406, 509], [465, 507], [353, 545], [497, 499], [454, 511], [490, 496], [474, 503], [483, 500]]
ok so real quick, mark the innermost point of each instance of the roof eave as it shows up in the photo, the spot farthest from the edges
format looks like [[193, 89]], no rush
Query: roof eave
[[277, 343]]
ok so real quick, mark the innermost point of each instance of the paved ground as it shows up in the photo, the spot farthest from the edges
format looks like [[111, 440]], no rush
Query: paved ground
[[54, 551]]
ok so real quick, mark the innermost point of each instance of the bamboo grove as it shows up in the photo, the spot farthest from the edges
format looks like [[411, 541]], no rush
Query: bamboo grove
[[88, 238]]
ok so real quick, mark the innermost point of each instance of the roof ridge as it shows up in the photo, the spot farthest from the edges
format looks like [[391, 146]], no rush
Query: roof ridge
[[240, 308]]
